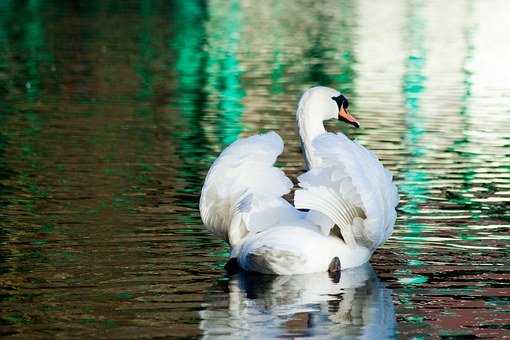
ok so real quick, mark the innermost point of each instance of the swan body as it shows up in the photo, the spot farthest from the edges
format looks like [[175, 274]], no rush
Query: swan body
[[350, 197]]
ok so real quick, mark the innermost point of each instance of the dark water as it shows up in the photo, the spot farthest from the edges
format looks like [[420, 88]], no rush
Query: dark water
[[112, 111]]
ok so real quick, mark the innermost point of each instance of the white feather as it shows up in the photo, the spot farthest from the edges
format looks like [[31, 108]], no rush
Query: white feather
[[349, 180], [242, 191]]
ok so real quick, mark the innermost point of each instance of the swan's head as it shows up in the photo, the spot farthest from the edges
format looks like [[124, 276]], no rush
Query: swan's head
[[326, 103]]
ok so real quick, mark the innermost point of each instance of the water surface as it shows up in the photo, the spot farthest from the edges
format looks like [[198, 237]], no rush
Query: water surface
[[112, 112]]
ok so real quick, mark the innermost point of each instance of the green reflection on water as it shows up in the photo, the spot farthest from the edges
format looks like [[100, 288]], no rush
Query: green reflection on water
[[23, 30], [345, 38], [415, 186], [226, 77], [317, 71], [415, 280], [188, 44], [205, 66], [193, 147], [416, 180], [34, 45], [28, 36]]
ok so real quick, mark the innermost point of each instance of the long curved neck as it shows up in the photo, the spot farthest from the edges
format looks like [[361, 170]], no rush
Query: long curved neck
[[310, 126]]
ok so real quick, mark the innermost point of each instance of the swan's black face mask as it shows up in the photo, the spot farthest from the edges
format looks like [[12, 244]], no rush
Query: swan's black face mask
[[343, 113]]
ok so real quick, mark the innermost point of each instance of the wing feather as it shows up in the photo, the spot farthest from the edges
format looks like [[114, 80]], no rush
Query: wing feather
[[243, 190], [352, 188]]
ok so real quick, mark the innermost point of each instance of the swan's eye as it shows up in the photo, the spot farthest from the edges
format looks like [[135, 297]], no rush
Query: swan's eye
[[341, 100]]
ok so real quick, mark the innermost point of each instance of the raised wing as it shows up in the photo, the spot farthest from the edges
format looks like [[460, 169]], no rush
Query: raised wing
[[243, 191], [350, 189]]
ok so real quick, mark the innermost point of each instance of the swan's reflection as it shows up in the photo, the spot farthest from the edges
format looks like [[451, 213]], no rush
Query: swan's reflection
[[262, 306]]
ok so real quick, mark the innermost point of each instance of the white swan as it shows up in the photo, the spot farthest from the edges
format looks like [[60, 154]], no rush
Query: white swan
[[350, 196]]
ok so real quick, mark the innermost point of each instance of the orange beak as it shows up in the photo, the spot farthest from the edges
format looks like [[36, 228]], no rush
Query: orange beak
[[346, 117]]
